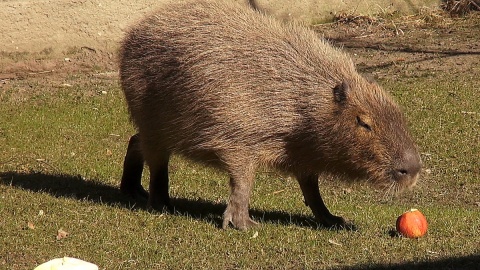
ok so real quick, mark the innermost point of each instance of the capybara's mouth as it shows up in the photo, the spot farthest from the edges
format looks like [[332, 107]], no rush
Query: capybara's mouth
[[398, 182], [406, 171], [407, 182], [393, 182]]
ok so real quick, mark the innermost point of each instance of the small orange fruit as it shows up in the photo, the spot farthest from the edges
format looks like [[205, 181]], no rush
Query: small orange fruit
[[412, 224]]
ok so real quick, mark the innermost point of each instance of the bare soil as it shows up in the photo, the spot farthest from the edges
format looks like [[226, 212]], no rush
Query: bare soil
[[411, 46], [396, 48]]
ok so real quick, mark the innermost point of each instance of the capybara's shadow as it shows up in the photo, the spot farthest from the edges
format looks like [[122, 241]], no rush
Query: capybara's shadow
[[459, 263], [71, 186]]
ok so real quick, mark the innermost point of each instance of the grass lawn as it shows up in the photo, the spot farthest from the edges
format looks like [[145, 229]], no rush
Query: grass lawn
[[62, 143]]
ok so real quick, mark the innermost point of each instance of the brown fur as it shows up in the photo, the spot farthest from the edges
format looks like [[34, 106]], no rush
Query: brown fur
[[227, 86]]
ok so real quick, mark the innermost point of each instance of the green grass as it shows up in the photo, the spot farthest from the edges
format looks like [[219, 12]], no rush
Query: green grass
[[61, 159]]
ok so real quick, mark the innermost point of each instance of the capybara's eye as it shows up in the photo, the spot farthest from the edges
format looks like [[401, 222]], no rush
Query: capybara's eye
[[362, 123]]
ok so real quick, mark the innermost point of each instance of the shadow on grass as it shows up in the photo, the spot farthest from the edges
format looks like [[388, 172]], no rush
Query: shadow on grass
[[457, 263], [75, 187], [430, 53]]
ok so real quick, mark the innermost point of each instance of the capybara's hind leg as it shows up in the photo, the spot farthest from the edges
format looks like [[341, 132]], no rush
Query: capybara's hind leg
[[159, 198], [237, 209], [311, 193], [131, 183]]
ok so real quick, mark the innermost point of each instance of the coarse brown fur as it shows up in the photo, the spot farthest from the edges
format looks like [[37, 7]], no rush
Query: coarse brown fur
[[228, 86]]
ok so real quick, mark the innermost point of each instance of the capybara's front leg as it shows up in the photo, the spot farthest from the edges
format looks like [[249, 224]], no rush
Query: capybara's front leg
[[159, 198], [311, 193], [131, 183], [237, 209]]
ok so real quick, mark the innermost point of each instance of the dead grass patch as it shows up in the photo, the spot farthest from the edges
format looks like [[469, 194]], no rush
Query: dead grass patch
[[461, 7]]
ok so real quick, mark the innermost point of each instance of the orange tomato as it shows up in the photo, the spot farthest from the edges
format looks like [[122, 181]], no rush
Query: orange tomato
[[412, 224]]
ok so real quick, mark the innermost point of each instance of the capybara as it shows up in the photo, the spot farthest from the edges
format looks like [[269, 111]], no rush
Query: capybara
[[225, 85]]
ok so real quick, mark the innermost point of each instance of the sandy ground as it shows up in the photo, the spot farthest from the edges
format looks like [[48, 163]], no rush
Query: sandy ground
[[54, 36], [37, 33], [48, 25], [52, 27]]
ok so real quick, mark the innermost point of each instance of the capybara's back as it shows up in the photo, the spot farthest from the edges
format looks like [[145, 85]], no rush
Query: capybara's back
[[225, 85], [214, 76]]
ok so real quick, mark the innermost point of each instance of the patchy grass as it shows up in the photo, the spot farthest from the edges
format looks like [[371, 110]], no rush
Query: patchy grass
[[61, 160]]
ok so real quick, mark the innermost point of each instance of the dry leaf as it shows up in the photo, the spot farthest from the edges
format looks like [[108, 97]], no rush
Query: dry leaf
[[278, 191], [255, 235], [61, 234], [108, 152], [333, 242], [31, 226]]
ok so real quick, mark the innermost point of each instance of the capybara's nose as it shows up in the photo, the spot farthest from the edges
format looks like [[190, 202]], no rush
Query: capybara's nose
[[408, 168]]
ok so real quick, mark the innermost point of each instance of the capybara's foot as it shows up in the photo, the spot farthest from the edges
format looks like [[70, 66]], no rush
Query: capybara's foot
[[239, 219], [160, 205], [138, 193], [337, 222]]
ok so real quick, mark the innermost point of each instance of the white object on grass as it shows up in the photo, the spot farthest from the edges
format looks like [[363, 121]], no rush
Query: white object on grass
[[66, 263]]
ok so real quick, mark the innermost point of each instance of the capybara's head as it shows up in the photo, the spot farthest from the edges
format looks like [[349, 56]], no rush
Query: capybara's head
[[370, 136]]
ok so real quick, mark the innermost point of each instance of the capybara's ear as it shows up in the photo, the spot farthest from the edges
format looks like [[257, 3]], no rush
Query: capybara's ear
[[340, 92]]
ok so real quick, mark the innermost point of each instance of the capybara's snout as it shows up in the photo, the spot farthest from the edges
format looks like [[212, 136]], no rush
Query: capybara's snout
[[407, 169]]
